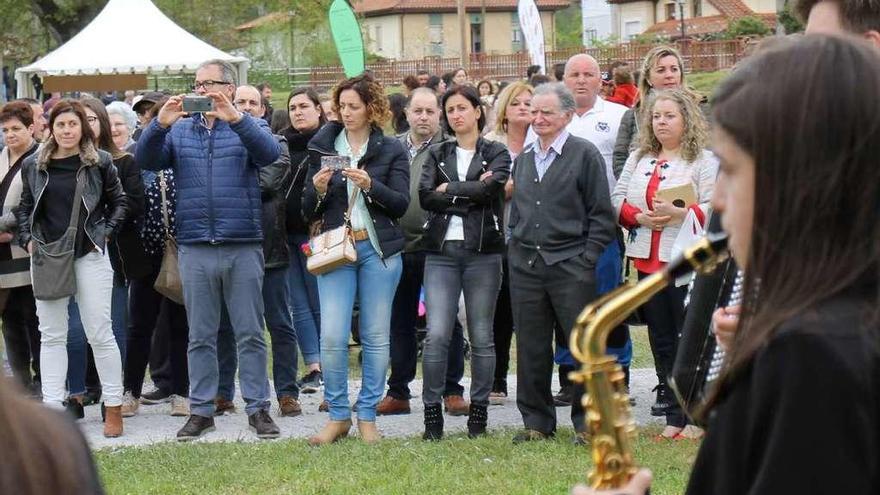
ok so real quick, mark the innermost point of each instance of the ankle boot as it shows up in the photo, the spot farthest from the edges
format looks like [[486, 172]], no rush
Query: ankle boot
[[113, 421], [433, 422], [332, 431], [368, 432], [477, 419]]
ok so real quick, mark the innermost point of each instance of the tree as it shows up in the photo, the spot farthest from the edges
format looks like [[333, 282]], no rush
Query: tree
[[64, 18]]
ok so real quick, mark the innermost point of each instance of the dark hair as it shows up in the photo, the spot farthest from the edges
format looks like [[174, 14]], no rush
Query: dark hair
[[622, 75], [370, 92], [447, 78], [532, 70], [397, 103], [68, 105], [30, 101], [105, 140], [539, 79], [491, 86], [263, 85], [17, 110], [43, 452], [280, 120], [410, 82], [858, 16], [312, 95], [471, 95], [815, 152], [422, 72], [433, 83], [153, 110], [559, 71]]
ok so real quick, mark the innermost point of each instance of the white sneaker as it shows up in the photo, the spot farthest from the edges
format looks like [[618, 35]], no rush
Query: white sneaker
[[179, 406], [129, 405]]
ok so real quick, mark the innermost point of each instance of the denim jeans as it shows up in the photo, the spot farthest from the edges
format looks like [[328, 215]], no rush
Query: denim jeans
[[94, 278], [213, 275], [447, 274], [374, 281], [304, 302], [284, 363], [404, 344]]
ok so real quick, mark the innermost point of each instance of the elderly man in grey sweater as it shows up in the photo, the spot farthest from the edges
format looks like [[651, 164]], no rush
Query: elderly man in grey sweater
[[561, 221]]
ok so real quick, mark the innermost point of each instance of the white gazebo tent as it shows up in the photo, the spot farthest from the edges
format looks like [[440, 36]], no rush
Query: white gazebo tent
[[128, 40]]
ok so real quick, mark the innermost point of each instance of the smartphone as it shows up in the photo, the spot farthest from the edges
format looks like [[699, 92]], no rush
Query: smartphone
[[335, 162], [194, 104]]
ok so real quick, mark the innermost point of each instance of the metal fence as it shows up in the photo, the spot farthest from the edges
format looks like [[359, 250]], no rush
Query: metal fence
[[699, 56]]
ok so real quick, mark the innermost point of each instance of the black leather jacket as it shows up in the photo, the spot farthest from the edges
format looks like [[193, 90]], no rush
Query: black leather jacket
[[103, 196], [275, 181], [480, 203]]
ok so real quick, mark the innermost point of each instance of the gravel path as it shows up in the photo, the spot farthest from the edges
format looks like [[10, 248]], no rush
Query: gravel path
[[153, 424]]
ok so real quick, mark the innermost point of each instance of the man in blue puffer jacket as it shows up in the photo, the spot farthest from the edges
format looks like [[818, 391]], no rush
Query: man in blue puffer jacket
[[216, 158]]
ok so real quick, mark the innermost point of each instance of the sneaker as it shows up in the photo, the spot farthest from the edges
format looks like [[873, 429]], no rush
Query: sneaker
[[155, 396], [261, 423], [456, 405], [390, 406], [497, 398], [194, 428], [129, 405], [179, 406], [311, 382], [289, 406], [223, 406], [564, 397]]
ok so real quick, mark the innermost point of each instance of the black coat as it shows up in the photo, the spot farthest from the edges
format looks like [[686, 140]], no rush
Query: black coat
[[274, 184], [297, 145], [804, 417], [388, 165], [479, 203], [126, 250]]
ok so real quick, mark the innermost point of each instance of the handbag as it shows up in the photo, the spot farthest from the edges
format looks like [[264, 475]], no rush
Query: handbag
[[690, 233], [334, 248], [168, 281], [52, 272]]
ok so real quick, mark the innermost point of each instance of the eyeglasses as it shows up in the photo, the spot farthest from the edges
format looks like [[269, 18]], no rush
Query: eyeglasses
[[205, 84]]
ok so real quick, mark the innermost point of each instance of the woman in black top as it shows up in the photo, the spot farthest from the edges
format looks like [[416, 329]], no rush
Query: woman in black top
[[462, 188], [306, 117], [797, 409], [48, 192]]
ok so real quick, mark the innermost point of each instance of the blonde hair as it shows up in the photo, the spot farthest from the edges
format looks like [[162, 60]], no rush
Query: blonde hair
[[695, 136], [507, 95], [651, 59]]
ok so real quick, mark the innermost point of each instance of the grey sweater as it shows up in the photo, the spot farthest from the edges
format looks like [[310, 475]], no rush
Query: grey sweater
[[413, 221], [568, 212]]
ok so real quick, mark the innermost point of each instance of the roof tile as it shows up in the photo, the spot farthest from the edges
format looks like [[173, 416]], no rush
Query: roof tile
[[376, 7]]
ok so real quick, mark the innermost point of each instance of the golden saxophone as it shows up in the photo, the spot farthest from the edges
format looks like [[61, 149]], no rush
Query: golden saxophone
[[607, 404]]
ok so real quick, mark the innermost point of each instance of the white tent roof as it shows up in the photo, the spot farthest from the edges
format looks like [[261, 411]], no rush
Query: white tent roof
[[110, 45]]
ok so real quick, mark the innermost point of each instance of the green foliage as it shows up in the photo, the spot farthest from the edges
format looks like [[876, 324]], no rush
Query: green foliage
[[568, 26], [706, 82], [788, 20], [747, 26], [650, 39], [394, 466]]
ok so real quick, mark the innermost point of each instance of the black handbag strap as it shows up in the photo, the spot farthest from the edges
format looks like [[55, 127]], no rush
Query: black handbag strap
[[77, 199]]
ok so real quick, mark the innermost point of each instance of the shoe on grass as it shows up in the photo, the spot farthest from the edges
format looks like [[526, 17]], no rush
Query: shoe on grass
[[195, 427], [129, 405], [179, 406], [261, 424]]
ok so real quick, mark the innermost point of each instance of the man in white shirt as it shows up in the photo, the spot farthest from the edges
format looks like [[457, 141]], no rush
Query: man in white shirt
[[595, 120]]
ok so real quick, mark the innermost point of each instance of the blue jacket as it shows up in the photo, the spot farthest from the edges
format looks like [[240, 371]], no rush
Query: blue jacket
[[218, 188]]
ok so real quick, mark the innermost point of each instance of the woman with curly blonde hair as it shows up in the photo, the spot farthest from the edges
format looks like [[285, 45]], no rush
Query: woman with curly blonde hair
[[377, 172], [672, 153]]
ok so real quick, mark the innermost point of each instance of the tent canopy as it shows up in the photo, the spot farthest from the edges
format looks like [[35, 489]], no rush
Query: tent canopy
[[109, 45]]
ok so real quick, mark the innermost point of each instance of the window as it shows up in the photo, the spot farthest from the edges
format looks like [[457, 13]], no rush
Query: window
[[435, 33], [516, 35], [631, 29], [697, 8], [591, 35], [476, 38], [378, 38], [670, 11]]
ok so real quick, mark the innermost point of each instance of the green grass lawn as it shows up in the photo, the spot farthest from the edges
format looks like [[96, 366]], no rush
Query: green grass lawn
[[399, 466]]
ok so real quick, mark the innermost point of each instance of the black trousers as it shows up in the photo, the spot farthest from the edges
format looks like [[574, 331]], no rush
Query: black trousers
[[502, 328], [21, 333], [664, 315], [404, 343], [543, 296], [150, 313]]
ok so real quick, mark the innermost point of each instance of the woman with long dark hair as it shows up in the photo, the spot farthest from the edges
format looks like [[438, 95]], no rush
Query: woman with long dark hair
[[306, 117], [462, 188], [378, 173], [797, 409], [50, 180]]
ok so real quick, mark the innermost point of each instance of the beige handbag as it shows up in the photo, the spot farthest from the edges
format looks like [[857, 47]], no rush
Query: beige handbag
[[168, 281], [333, 248]]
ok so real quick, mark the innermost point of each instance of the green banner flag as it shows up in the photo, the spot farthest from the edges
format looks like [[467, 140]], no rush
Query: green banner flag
[[347, 36]]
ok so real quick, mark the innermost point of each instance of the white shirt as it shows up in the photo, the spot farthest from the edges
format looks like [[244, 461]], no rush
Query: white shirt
[[463, 157], [599, 126]]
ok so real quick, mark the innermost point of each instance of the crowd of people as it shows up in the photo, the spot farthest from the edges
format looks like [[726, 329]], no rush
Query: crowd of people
[[502, 210]]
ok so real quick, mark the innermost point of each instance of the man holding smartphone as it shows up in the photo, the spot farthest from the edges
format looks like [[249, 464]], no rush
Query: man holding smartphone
[[216, 156]]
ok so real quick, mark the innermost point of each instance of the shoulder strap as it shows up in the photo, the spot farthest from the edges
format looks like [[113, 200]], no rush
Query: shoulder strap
[[77, 198], [163, 185]]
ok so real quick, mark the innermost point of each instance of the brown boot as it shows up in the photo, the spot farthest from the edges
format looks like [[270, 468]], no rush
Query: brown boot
[[368, 431], [289, 406], [113, 421], [390, 406], [332, 431], [456, 405]]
